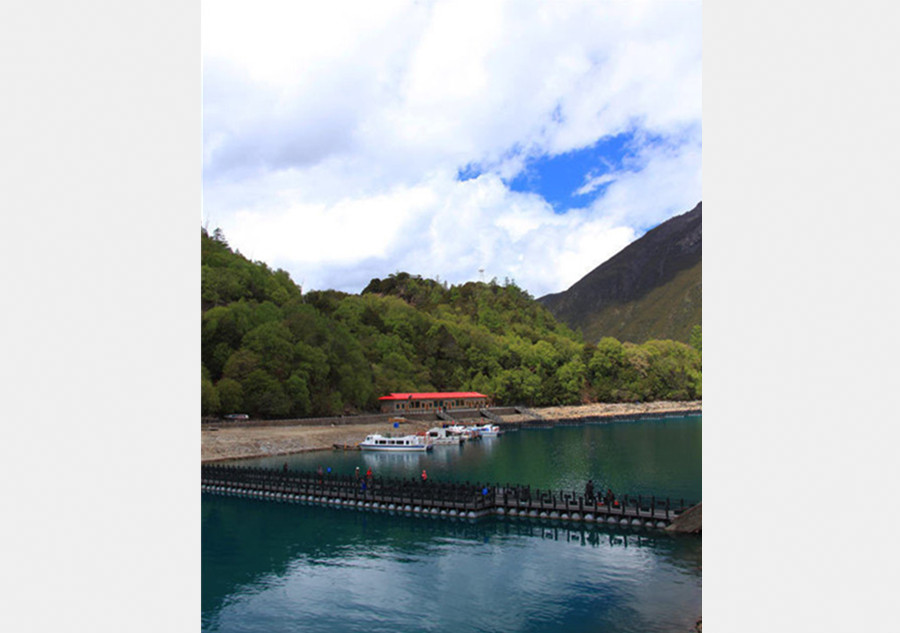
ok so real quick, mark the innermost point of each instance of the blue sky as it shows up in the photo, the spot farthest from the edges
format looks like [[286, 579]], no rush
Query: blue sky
[[564, 180], [532, 140]]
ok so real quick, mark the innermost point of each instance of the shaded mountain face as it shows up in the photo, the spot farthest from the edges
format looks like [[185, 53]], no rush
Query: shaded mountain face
[[651, 289]]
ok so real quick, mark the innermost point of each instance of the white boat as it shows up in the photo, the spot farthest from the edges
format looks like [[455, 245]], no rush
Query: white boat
[[438, 436], [378, 442], [489, 430], [463, 432]]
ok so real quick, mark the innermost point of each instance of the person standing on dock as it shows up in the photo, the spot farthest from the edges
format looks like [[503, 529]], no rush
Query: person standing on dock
[[424, 476], [357, 473], [589, 491]]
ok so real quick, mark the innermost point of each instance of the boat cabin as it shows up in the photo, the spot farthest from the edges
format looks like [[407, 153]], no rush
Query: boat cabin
[[378, 440]]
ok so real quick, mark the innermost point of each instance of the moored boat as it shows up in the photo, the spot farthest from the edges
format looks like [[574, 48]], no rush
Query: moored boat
[[438, 436], [464, 432], [377, 442], [489, 430]]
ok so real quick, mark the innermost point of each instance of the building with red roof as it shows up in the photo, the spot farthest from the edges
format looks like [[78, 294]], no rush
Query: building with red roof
[[413, 402]]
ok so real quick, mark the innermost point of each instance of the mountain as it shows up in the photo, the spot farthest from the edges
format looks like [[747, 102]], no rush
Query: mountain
[[651, 289]]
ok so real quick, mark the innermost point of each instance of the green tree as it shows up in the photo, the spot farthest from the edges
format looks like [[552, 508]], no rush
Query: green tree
[[298, 393], [272, 342], [635, 382], [696, 340], [674, 370], [209, 399], [571, 379], [241, 364], [605, 369], [231, 395], [263, 395]]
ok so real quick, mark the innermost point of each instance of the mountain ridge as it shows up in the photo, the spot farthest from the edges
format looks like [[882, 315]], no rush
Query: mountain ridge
[[650, 289]]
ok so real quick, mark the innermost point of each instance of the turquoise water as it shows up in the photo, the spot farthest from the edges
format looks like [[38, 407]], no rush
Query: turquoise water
[[276, 567]]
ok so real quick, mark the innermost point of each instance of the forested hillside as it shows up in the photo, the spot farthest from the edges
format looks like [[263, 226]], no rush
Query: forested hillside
[[271, 351]]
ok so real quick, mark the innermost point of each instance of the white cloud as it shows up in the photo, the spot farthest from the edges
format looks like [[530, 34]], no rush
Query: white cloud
[[664, 180], [332, 138], [592, 182]]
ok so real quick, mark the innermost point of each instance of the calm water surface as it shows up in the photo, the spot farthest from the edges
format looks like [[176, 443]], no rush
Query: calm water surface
[[275, 567]]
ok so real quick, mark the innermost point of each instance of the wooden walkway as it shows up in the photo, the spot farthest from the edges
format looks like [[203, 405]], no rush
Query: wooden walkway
[[444, 499]]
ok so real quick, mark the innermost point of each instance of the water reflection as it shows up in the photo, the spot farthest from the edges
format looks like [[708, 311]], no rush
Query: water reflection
[[488, 444], [409, 464], [305, 562], [283, 567]]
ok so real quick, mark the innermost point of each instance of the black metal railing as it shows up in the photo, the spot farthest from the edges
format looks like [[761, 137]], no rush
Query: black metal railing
[[463, 496]]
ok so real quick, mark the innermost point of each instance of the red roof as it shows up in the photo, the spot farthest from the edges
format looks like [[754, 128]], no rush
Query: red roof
[[433, 396]]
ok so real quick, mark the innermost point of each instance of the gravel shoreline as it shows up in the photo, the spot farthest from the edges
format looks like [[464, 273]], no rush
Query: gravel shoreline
[[263, 441]]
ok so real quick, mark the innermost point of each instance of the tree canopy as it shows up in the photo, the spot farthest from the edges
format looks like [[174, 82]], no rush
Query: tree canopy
[[270, 350]]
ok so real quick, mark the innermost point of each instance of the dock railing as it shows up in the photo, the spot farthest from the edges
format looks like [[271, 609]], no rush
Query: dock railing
[[477, 497]]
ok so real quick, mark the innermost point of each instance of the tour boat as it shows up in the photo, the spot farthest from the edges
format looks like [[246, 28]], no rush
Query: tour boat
[[378, 442], [440, 435], [463, 432], [489, 430]]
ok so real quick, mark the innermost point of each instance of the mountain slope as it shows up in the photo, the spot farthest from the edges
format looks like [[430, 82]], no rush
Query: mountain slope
[[652, 289]]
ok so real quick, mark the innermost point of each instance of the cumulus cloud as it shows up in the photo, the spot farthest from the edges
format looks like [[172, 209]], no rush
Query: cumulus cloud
[[333, 138]]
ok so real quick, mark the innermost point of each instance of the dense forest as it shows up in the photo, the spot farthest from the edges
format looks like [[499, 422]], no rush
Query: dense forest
[[272, 351]]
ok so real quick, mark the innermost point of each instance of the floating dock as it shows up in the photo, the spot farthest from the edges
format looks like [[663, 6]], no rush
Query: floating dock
[[464, 500]]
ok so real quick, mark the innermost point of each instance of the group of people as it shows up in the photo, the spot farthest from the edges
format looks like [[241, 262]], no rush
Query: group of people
[[321, 472], [609, 498], [366, 482]]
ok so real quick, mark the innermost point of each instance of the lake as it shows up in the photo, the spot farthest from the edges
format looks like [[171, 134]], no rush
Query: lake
[[283, 567]]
